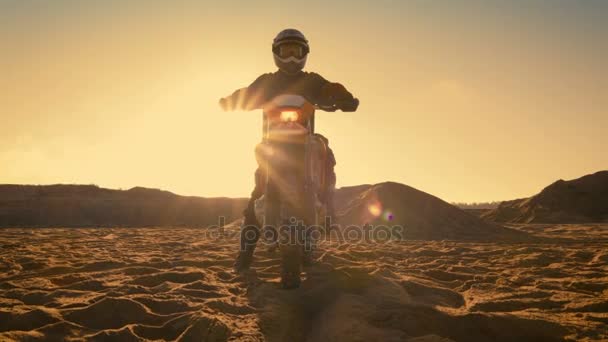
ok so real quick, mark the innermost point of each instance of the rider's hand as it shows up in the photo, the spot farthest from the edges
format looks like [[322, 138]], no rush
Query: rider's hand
[[223, 103], [348, 105], [335, 94]]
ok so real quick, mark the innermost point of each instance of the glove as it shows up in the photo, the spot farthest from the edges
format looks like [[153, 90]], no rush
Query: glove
[[349, 105], [223, 104], [336, 94]]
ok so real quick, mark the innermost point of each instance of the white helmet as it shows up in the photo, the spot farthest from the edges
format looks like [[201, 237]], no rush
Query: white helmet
[[290, 49]]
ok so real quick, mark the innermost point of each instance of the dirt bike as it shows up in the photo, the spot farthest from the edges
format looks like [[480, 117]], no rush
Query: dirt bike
[[293, 159]]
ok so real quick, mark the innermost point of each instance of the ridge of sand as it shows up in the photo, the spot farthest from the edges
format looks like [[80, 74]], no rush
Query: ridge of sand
[[582, 200], [423, 215], [65, 205]]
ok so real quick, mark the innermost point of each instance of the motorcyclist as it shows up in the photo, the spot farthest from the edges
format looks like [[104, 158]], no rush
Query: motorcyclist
[[290, 49]]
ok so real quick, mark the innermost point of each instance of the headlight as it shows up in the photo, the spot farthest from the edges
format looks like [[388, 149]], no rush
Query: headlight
[[287, 116]]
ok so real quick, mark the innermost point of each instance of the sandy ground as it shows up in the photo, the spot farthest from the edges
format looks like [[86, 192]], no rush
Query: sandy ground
[[177, 284]]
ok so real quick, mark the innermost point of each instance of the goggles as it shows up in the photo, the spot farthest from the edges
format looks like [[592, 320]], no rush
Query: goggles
[[291, 49]]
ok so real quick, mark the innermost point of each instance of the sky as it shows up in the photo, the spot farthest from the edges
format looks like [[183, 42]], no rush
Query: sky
[[466, 100]]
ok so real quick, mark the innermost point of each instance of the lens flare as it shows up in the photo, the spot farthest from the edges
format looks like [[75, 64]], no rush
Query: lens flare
[[375, 209], [388, 215]]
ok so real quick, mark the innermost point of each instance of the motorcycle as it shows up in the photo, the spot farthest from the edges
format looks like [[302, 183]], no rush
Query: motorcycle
[[293, 161]]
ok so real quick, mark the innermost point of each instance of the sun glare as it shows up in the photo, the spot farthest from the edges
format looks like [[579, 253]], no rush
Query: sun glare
[[375, 209]]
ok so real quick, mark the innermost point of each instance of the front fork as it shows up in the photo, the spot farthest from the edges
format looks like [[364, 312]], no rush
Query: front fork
[[291, 215]]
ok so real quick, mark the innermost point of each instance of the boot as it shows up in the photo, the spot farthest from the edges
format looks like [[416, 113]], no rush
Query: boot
[[243, 260], [250, 235]]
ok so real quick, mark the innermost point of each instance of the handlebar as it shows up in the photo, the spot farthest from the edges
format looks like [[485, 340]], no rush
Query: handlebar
[[334, 107], [331, 108], [351, 107]]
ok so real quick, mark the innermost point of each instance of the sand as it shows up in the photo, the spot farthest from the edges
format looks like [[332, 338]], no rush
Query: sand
[[177, 284]]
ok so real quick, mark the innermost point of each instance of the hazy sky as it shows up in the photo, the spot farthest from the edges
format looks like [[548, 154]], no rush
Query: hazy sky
[[466, 100]]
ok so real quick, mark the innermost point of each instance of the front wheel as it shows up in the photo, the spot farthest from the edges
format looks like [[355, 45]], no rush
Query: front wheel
[[291, 260], [296, 243], [287, 242]]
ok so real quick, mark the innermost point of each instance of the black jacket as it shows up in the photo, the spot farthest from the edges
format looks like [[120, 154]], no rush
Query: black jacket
[[312, 86]]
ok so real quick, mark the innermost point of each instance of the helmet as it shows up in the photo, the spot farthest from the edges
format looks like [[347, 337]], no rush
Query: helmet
[[290, 49]]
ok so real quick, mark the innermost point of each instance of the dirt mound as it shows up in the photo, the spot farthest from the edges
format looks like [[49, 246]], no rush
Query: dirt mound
[[89, 205], [113, 313], [28, 320], [582, 200], [421, 215]]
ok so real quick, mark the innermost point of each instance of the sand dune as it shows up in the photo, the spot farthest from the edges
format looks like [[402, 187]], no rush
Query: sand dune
[[582, 200], [423, 216], [177, 284], [92, 206]]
